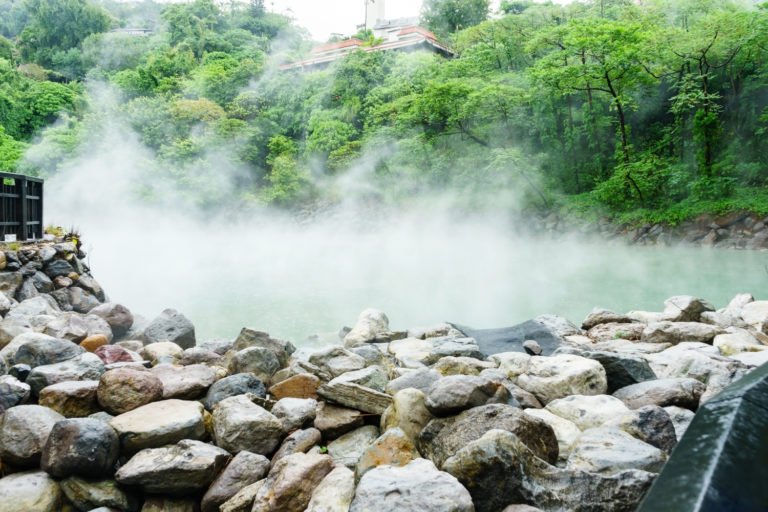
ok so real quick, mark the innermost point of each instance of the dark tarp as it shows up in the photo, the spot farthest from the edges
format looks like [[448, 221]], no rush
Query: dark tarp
[[721, 463], [510, 339]]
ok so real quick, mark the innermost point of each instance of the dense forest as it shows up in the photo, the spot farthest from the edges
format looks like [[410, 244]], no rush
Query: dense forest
[[652, 110]]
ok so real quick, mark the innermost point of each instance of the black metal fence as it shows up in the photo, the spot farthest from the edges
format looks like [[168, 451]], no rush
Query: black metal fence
[[21, 207]]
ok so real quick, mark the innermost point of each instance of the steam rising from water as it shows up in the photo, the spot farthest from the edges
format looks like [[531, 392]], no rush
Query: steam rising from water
[[422, 264]]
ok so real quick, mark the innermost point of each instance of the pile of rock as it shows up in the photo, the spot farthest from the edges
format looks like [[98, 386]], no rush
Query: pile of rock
[[145, 418]]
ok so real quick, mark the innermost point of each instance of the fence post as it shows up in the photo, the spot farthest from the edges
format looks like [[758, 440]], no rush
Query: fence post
[[24, 208]]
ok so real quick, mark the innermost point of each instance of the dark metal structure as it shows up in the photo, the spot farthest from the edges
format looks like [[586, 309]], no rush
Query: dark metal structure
[[21, 207], [721, 463]]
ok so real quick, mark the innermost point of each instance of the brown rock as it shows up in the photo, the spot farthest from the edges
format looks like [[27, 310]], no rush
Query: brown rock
[[62, 282], [71, 399], [185, 382], [393, 448], [290, 483], [299, 441], [303, 385], [91, 343], [125, 389], [333, 421]]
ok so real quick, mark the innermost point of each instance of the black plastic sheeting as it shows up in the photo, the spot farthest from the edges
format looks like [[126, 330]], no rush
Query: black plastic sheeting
[[510, 339], [721, 463]]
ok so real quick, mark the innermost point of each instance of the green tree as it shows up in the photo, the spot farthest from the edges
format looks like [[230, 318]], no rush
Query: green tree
[[448, 16]]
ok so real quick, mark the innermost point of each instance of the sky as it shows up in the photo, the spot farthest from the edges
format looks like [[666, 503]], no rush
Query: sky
[[324, 17]]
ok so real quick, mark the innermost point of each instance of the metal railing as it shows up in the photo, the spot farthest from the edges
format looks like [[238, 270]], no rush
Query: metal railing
[[21, 207]]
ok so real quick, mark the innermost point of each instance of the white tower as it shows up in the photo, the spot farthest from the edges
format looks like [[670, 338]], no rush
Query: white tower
[[374, 11]]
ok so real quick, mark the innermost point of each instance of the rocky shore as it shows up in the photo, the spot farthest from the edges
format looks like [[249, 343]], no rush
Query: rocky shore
[[103, 411]]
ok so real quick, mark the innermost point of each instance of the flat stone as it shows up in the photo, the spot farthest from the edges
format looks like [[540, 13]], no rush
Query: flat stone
[[158, 424], [682, 392], [603, 316], [616, 331], [372, 377], [421, 379], [355, 396], [303, 385], [675, 332], [44, 350], [298, 441], [186, 467], [606, 450], [84, 367], [239, 424], [333, 421], [125, 389], [337, 361]]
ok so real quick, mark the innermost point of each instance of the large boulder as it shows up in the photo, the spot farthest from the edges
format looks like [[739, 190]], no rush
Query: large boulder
[[608, 451], [651, 424], [443, 437], [415, 487], [243, 470], [239, 424], [186, 467], [234, 385], [158, 424], [302, 385], [456, 393], [550, 378], [84, 447], [252, 338], [32, 491], [171, 326], [124, 389], [24, 430], [622, 369]]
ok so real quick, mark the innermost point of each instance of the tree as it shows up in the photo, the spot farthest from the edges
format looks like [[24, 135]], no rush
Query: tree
[[448, 16]]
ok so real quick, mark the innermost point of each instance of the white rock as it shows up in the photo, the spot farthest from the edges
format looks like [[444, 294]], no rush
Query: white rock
[[737, 341], [334, 493], [755, 314], [513, 364], [550, 378], [610, 450], [587, 411], [372, 325], [566, 431]]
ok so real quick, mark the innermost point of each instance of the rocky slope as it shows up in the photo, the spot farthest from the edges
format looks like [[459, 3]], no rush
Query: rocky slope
[[102, 412]]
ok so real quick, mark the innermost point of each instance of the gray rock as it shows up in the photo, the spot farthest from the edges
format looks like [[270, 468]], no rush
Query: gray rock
[[675, 332], [443, 437], [197, 355], [44, 350], [159, 424], [616, 331], [373, 377], [333, 421], [681, 418], [162, 352], [86, 366], [347, 449], [622, 370], [10, 282], [32, 491], [119, 317], [12, 392], [421, 379], [603, 316], [565, 430], [82, 301], [88, 494], [185, 382], [251, 338], [415, 487], [650, 424], [245, 469], [260, 361], [24, 430], [171, 326], [456, 393], [186, 467], [371, 354], [58, 268], [337, 361], [608, 451], [239, 424], [234, 385], [92, 286], [532, 347], [662, 392], [218, 345], [83, 447], [290, 483], [10, 328], [408, 412], [355, 396], [685, 308], [558, 376], [298, 441], [75, 327], [334, 493], [295, 413], [450, 365], [372, 326], [27, 290], [243, 500]]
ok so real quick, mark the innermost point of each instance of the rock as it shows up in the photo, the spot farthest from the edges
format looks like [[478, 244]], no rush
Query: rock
[[622, 370], [10, 328], [245, 469], [239, 424], [44, 350], [42, 306], [82, 301], [333, 421], [334, 493], [58, 268], [24, 430], [675, 332], [75, 328], [234, 385], [290, 483], [682, 392], [513, 364], [12, 392], [124, 389], [550, 378], [185, 382], [159, 423], [650, 424], [355, 396], [408, 412], [603, 316], [393, 448], [251, 338], [169, 504], [303, 385], [714, 371], [337, 361], [462, 366], [111, 354], [521, 508], [83, 447], [371, 353], [10, 282], [607, 451], [532, 347], [71, 399], [443, 437], [565, 430], [32, 491], [498, 468], [86, 366], [119, 317], [27, 290], [372, 377], [186, 467], [421, 379], [243, 500], [685, 308], [456, 393], [348, 448], [5, 304], [298, 441], [197, 355], [171, 326], [42, 282], [92, 494], [162, 352], [415, 487], [736, 342], [91, 343], [755, 314], [20, 371], [616, 331], [260, 361], [295, 413], [372, 326], [587, 411], [752, 359], [680, 418]]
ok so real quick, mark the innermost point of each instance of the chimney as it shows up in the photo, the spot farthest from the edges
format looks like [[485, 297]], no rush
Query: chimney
[[374, 12]]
